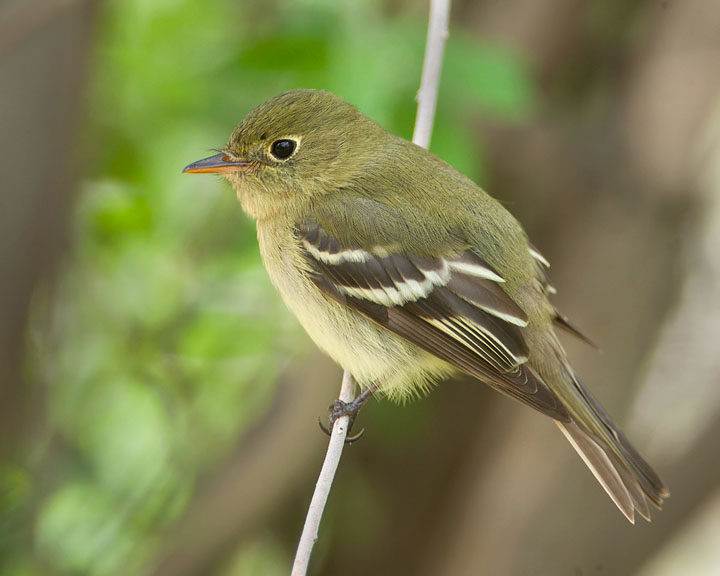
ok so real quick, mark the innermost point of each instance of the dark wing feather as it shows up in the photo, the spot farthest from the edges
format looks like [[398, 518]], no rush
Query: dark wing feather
[[453, 308], [561, 321]]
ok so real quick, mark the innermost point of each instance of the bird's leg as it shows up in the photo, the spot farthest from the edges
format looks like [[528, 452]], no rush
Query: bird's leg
[[338, 409]]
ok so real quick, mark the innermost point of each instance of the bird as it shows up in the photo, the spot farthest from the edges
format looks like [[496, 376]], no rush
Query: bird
[[406, 272]]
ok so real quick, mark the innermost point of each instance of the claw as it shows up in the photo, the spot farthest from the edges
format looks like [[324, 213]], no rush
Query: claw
[[348, 439], [338, 409], [353, 438], [323, 427]]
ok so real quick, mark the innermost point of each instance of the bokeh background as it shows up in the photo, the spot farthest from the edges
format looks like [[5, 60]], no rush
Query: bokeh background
[[158, 404]]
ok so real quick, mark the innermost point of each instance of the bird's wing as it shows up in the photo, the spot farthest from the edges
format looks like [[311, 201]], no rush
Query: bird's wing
[[560, 320], [454, 308]]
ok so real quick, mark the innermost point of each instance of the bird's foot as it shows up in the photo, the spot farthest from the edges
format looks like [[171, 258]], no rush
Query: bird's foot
[[338, 409]]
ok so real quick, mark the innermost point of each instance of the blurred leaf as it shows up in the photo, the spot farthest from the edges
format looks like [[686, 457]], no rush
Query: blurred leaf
[[80, 530], [15, 502], [15, 488], [486, 78], [120, 214], [215, 336], [458, 144], [299, 52], [264, 557], [123, 427]]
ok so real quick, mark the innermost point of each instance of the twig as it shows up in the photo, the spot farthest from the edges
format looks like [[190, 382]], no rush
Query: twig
[[432, 65], [427, 101], [324, 483]]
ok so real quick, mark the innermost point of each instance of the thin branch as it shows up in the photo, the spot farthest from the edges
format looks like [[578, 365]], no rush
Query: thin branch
[[324, 483], [427, 101], [432, 65]]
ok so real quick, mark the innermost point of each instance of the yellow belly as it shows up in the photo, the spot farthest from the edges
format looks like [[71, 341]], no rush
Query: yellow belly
[[368, 351]]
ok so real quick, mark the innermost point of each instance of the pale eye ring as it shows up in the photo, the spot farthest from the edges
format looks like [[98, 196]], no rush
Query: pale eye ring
[[283, 149]]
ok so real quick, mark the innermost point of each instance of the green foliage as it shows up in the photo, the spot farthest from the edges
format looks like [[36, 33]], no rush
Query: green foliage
[[163, 339], [83, 530], [263, 556]]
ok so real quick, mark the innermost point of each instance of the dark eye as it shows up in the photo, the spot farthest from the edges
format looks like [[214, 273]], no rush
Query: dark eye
[[282, 149]]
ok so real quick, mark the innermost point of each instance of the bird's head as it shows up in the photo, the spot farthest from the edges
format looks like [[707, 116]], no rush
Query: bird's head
[[293, 148]]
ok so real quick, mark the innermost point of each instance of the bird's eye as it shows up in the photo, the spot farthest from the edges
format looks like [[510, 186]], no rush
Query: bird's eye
[[283, 149]]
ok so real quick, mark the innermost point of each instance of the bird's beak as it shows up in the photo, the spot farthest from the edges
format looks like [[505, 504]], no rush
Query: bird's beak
[[218, 164]]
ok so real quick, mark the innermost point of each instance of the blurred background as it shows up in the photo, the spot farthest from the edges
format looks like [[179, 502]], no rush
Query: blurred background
[[158, 404]]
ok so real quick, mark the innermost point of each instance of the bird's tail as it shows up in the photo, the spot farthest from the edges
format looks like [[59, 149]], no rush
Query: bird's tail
[[627, 478]]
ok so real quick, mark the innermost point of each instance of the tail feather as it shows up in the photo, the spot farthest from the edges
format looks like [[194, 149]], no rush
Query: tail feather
[[621, 488], [640, 501], [652, 484], [627, 478]]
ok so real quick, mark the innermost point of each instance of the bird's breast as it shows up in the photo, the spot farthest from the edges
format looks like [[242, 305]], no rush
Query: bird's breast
[[370, 352]]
